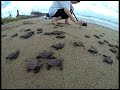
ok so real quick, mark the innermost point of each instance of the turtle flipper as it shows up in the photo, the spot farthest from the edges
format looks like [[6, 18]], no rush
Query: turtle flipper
[[61, 66], [37, 70], [48, 67]]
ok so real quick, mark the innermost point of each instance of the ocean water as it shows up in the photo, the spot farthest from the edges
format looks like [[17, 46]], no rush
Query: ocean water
[[105, 13]]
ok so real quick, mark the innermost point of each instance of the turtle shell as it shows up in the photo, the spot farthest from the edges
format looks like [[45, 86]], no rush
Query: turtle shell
[[58, 46], [44, 54], [108, 60], [55, 62], [13, 55], [34, 64]]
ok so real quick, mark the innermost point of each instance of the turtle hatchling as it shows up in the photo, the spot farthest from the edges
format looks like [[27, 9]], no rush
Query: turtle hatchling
[[55, 63], [13, 55], [108, 60], [45, 54], [58, 46], [34, 65], [93, 50]]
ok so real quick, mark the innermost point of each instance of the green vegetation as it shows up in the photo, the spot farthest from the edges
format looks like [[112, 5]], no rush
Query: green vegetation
[[6, 20]]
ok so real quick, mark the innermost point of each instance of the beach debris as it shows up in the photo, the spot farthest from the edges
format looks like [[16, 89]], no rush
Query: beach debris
[[34, 65], [45, 54], [97, 36], [4, 35], [55, 63], [93, 50], [106, 41], [108, 60], [87, 36], [27, 35], [101, 42], [15, 35], [113, 50], [13, 55], [60, 36], [27, 30], [58, 45]]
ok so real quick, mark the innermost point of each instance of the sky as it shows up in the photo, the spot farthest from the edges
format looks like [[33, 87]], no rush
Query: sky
[[25, 7], [104, 10]]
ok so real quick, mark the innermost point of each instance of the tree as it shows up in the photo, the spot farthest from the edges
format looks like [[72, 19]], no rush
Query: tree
[[17, 13]]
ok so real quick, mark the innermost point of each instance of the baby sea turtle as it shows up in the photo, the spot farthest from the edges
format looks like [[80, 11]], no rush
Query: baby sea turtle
[[97, 36], [60, 36], [13, 55], [14, 35], [93, 50], [55, 63], [100, 42], [106, 41], [101, 35], [34, 65], [113, 50], [110, 45], [27, 35], [39, 29], [87, 36], [55, 27], [116, 46], [4, 35], [47, 33], [45, 54], [58, 46], [27, 30], [78, 43], [57, 32], [108, 60]]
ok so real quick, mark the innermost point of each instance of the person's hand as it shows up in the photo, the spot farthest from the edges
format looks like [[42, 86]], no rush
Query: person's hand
[[79, 23]]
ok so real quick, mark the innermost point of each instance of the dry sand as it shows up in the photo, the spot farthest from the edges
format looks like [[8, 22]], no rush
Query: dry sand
[[82, 70]]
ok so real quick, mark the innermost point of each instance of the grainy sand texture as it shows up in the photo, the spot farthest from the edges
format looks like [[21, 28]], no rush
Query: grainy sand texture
[[81, 69]]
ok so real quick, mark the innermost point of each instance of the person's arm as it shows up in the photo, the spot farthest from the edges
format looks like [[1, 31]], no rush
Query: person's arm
[[70, 16]]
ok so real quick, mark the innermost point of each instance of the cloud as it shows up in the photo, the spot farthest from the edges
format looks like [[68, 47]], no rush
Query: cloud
[[104, 8], [25, 7]]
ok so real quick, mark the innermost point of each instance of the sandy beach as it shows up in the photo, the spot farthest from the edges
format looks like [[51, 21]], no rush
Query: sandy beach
[[81, 69]]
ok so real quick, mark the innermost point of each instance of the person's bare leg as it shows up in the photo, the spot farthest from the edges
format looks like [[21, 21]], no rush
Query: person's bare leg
[[66, 21], [56, 19]]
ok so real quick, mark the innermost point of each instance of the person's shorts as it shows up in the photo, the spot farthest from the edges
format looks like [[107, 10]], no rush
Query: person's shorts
[[60, 12]]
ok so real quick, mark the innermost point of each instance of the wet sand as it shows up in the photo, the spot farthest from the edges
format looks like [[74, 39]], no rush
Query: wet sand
[[81, 69]]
